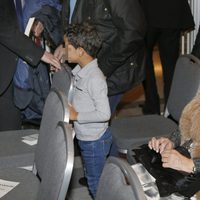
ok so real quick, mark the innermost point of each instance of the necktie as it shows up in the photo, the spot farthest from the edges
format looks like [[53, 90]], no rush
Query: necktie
[[72, 6], [18, 4]]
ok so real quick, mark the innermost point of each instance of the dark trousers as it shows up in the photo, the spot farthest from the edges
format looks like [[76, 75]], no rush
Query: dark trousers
[[196, 47], [9, 115], [168, 41], [114, 101]]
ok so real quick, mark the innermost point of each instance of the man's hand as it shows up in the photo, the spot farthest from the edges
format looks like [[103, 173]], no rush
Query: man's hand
[[161, 144], [37, 28], [60, 53], [52, 60]]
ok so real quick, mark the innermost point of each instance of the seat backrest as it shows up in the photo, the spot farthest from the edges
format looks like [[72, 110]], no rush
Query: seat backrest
[[55, 110], [119, 182], [185, 84], [62, 80], [58, 164]]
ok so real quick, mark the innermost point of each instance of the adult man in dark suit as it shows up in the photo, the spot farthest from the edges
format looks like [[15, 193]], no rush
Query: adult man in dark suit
[[165, 21], [13, 43]]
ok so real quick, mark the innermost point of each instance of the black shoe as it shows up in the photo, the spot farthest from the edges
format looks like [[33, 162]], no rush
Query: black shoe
[[83, 181]]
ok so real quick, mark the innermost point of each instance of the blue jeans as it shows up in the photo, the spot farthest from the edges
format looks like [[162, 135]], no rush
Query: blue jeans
[[94, 154]]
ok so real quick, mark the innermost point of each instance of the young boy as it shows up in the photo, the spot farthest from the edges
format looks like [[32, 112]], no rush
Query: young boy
[[90, 111]]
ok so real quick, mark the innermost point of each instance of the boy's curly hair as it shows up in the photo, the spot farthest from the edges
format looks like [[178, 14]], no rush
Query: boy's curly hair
[[84, 35]]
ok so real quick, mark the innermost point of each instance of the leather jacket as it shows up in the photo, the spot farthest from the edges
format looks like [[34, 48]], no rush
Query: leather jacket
[[121, 25]]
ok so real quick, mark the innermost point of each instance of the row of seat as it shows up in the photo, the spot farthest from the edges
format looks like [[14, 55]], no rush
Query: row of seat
[[134, 131], [118, 180], [52, 168], [54, 150], [47, 152]]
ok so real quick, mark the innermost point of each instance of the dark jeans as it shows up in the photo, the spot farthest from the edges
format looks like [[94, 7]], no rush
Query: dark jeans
[[196, 47], [114, 101], [94, 154]]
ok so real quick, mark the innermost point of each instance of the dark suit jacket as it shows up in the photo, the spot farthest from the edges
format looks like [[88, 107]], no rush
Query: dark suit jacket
[[174, 14], [13, 44]]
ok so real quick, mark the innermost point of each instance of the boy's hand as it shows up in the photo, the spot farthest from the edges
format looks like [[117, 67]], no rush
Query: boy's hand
[[72, 113]]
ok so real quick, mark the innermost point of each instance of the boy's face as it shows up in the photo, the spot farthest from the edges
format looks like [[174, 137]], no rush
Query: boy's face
[[71, 52]]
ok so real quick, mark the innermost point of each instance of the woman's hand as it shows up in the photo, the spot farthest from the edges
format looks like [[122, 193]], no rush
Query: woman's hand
[[173, 159], [161, 144]]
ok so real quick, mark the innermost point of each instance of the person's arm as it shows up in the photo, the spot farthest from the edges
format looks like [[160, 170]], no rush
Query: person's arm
[[21, 45], [196, 162], [175, 137], [13, 39], [129, 22], [17, 42]]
